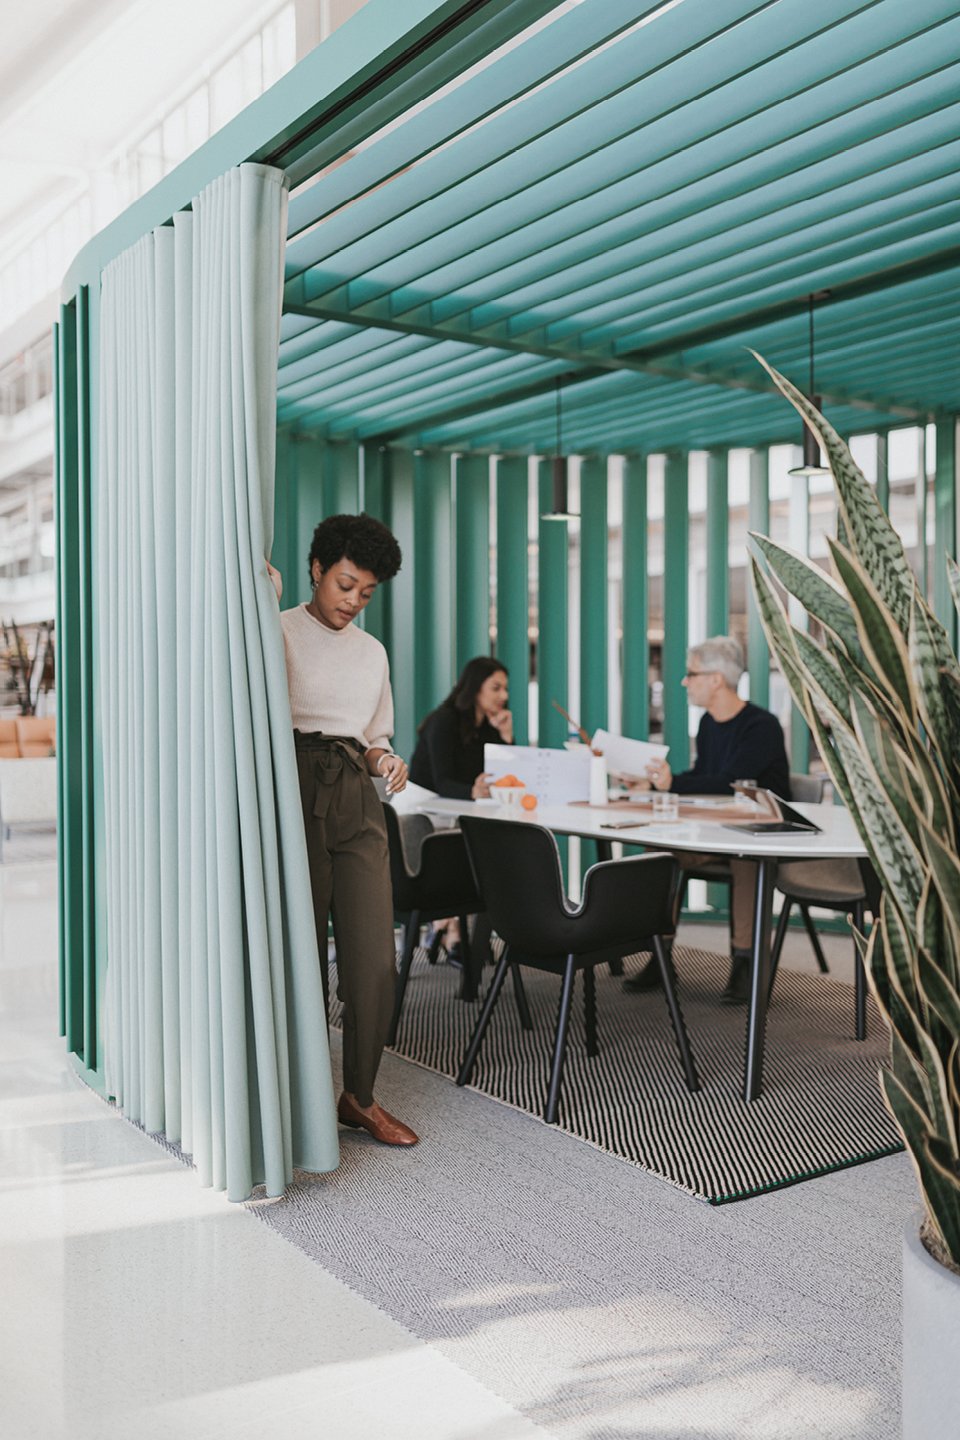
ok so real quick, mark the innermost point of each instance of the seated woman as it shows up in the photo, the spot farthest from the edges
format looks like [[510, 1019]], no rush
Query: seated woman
[[449, 755]]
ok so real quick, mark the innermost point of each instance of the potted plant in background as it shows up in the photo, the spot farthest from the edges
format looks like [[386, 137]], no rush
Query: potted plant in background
[[881, 694]]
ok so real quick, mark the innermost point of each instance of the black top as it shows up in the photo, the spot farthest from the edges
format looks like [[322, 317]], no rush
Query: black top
[[748, 747], [443, 761]]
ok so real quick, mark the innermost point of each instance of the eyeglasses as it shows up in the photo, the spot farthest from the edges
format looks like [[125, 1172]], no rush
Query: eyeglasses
[[692, 674]]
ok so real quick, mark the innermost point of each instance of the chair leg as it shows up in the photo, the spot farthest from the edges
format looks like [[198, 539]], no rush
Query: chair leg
[[480, 1029], [814, 938], [410, 936], [472, 964], [860, 979], [560, 1040], [669, 978], [590, 1009], [523, 1009], [433, 950]]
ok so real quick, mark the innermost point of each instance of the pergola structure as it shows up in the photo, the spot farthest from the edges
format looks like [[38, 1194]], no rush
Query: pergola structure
[[499, 202]]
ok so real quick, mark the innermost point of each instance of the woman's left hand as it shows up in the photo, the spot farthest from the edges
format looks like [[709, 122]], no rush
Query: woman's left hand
[[394, 771]]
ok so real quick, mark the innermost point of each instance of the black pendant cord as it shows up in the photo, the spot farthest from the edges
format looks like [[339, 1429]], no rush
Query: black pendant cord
[[813, 389]]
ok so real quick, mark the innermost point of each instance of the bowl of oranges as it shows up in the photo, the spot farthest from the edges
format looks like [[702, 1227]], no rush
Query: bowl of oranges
[[509, 791]]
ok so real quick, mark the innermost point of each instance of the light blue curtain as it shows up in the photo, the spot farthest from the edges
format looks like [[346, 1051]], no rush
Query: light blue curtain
[[214, 1026]]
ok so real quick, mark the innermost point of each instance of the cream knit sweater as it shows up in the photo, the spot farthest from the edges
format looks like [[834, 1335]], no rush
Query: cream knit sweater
[[339, 680]]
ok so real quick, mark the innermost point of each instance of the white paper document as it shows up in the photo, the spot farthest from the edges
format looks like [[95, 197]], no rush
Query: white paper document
[[556, 777], [625, 756]]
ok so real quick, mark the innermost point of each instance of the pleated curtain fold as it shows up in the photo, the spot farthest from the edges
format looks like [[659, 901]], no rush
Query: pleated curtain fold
[[214, 1024]]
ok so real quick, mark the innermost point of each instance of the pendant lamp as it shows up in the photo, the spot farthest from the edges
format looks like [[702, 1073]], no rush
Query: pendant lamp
[[812, 461], [559, 508]]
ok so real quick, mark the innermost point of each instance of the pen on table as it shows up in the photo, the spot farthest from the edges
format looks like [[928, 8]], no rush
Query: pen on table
[[621, 824]]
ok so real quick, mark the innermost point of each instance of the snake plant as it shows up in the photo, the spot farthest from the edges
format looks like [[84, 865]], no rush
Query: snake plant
[[880, 692]]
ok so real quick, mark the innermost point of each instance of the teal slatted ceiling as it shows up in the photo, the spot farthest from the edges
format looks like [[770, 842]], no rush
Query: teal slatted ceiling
[[631, 196]]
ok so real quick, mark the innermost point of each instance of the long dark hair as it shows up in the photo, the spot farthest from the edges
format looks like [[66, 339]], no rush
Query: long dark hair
[[463, 697]]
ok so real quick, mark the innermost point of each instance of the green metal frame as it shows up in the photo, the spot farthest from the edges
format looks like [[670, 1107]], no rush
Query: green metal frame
[[635, 649], [513, 581], [593, 594], [758, 655], [472, 548], [676, 548]]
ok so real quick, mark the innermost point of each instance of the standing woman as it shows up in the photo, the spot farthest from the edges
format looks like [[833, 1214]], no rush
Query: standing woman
[[449, 754], [342, 709]]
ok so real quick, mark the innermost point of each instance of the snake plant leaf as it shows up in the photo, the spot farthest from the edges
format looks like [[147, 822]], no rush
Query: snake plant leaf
[[822, 672], [866, 525], [953, 579], [945, 874], [779, 634], [936, 676], [940, 1194], [936, 1090], [900, 958], [946, 1220], [892, 850], [862, 682], [882, 640], [817, 592], [940, 991], [888, 766]]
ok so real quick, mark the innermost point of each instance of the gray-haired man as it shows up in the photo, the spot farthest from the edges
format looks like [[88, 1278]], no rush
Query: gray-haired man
[[736, 741]]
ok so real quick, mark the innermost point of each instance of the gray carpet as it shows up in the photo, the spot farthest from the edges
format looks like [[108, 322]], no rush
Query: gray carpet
[[820, 1109], [603, 1303]]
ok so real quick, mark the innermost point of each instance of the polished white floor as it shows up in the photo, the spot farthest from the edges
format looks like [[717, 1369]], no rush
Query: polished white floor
[[137, 1306]]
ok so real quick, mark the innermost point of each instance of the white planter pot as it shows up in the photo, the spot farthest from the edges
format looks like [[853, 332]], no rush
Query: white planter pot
[[931, 1342]]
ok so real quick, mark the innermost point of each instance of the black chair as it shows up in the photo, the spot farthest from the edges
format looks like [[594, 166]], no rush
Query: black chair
[[432, 878], [627, 904]]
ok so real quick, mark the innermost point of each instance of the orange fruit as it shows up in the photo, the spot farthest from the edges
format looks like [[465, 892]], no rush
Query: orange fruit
[[529, 802]]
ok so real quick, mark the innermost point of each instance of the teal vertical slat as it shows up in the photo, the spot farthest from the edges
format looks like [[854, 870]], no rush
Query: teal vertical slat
[[635, 653], [718, 581], [883, 474], [945, 521], [58, 402], [69, 736], [718, 541], [86, 676], [513, 644], [341, 479], [311, 508], [290, 540], [552, 621], [472, 490], [433, 573], [675, 610], [373, 500], [593, 594], [758, 656], [401, 639], [799, 541], [921, 497]]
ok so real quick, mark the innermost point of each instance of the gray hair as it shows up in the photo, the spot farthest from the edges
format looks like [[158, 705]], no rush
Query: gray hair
[[723, 654]]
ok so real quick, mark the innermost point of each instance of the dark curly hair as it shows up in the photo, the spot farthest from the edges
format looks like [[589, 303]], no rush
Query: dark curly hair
[[362, 539]]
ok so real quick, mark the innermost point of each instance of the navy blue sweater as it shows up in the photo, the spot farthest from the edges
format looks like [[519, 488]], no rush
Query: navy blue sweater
[[748, 747]]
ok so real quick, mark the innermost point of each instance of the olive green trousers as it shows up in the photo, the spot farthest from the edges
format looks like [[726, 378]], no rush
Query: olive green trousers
[[350, 882]]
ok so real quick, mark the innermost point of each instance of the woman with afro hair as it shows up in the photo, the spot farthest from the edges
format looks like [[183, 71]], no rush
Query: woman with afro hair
[[342, 710]]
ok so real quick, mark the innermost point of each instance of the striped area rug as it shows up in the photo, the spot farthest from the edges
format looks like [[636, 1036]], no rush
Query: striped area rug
[[820, 1109]]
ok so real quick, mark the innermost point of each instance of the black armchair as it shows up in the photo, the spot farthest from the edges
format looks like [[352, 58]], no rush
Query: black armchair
[[432, 878], [625, 903]]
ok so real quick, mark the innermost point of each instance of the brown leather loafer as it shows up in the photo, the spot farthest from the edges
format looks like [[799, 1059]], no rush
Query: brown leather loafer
[[376, 1121]]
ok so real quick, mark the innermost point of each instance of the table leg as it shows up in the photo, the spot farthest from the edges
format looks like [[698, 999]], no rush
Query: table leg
[[759, 980]]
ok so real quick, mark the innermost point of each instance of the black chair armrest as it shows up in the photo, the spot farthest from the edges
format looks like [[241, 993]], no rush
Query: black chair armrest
[[625, 900]]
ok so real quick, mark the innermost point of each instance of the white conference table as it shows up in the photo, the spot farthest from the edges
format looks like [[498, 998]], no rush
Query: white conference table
[[608, 823]]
